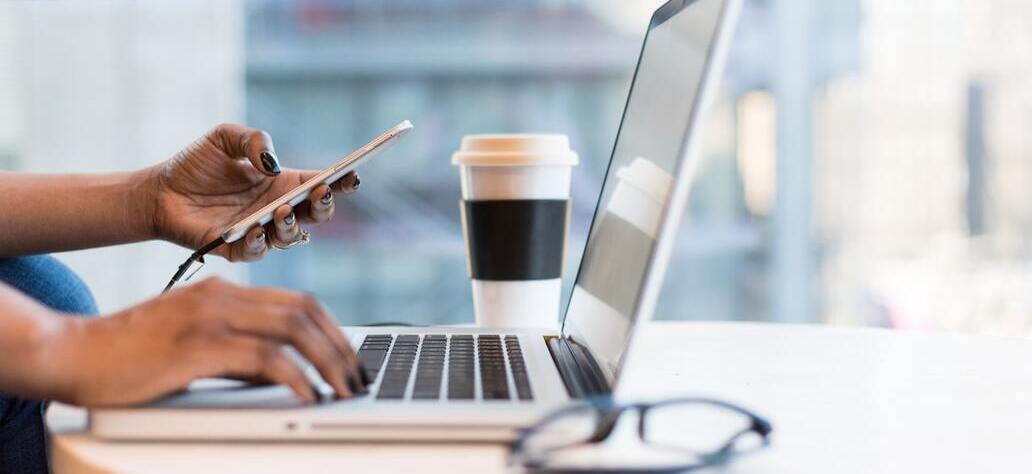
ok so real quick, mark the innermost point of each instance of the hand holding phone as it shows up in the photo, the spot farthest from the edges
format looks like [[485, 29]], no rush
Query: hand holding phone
[[294, 197], [328, 176]]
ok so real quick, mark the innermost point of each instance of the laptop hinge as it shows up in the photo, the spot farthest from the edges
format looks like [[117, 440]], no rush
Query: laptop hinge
[[580, 373]]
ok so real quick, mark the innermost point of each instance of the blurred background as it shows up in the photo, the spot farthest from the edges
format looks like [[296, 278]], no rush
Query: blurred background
[[869, 161]]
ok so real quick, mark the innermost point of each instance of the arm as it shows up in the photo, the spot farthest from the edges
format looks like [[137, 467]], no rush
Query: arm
[[221, 178], [44, 213], [27, 327], [210, 329]]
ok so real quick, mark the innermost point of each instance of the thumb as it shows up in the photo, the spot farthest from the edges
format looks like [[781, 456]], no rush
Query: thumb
[[249, 143]]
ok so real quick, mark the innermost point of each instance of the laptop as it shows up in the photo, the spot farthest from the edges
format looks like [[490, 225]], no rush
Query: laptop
[[474, 384]]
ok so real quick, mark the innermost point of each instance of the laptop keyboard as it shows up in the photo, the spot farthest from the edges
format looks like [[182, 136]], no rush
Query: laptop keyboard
[[464, 359]]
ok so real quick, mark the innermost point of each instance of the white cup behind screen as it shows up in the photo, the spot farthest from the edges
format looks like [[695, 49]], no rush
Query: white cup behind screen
[[516, 269], [641, 193]]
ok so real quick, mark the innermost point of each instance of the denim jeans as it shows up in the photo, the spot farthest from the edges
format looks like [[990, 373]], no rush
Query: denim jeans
[[23, 444]]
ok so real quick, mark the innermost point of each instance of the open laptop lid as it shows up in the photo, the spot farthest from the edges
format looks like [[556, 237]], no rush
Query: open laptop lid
[[646, 185]]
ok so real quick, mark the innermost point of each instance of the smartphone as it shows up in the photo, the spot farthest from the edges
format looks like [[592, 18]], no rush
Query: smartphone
[[329, 175]]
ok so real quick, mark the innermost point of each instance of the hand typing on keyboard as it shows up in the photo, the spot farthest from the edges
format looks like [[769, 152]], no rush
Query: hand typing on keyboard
[[211, 329]]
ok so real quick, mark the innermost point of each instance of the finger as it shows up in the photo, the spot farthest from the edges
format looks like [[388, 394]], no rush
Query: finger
[[245, 142], [252, 247], [285, 223], [348, 184], [250, 379], [321, 206], [249, 357], [328, 325], [290, 324], [281, 369], [319, 316], [308, 212]]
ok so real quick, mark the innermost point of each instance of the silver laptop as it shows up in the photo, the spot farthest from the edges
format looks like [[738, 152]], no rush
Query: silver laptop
[[443, 383]]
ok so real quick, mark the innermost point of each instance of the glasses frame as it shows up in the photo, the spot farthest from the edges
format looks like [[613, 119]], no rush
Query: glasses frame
[[608, 414]]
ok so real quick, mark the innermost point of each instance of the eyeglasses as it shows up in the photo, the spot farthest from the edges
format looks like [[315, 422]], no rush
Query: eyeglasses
[[681, 434]]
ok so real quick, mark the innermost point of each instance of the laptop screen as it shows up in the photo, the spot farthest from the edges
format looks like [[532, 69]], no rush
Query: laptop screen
[[637, 187]]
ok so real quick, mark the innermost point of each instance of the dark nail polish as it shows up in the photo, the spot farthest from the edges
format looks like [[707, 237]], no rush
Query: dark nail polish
[[357, 383], [260, 238], [327, 198], [270, 162], [358, 181], [317, 395], [289, 220]]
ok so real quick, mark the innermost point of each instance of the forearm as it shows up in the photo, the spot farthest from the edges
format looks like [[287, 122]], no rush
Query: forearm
[[28, 332], [41, 213]]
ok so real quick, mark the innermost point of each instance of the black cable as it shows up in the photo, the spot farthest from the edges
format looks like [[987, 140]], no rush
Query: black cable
[[197, 256]]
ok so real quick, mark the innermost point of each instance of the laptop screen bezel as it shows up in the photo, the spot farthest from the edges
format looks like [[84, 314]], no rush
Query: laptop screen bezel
[[657, 260]]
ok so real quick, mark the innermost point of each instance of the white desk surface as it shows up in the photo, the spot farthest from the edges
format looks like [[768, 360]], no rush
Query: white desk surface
[[841, 400]]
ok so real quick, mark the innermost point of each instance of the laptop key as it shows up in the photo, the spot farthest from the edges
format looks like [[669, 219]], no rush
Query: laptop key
[[518, 367], [375, 345], [429, 373], [371, 360], [460, 368], [372, 354], [396, 373], [493, 381]]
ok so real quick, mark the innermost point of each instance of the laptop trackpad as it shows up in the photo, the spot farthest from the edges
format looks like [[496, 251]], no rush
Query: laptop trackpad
[[224, 393]]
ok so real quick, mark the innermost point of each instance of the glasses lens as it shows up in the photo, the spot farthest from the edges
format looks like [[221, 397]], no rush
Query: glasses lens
[[563, 429], [697, 427]]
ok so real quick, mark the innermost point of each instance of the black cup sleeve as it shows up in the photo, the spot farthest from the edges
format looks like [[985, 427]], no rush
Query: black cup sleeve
[[515, 239]]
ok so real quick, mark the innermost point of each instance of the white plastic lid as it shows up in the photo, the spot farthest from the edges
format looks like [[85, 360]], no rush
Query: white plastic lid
[[521, 149], [647, 177]]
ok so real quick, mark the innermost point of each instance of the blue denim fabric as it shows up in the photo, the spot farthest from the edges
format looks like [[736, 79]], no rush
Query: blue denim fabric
[[23, 445]]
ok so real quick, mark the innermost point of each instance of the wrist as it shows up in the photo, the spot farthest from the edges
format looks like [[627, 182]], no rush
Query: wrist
[[74, 358], [52, 362], [143, 193]]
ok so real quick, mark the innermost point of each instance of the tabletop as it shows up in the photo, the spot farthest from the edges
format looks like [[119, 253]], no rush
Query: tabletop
[[848, 399]]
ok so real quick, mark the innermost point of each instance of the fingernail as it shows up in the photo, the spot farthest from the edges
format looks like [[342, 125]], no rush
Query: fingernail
[[356, 386], [270, 162], [358, 181], [289, 220], [327, 198], [260, 238]]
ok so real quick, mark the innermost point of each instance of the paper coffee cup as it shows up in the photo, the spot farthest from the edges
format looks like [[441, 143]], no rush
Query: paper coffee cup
[[515, 216]]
